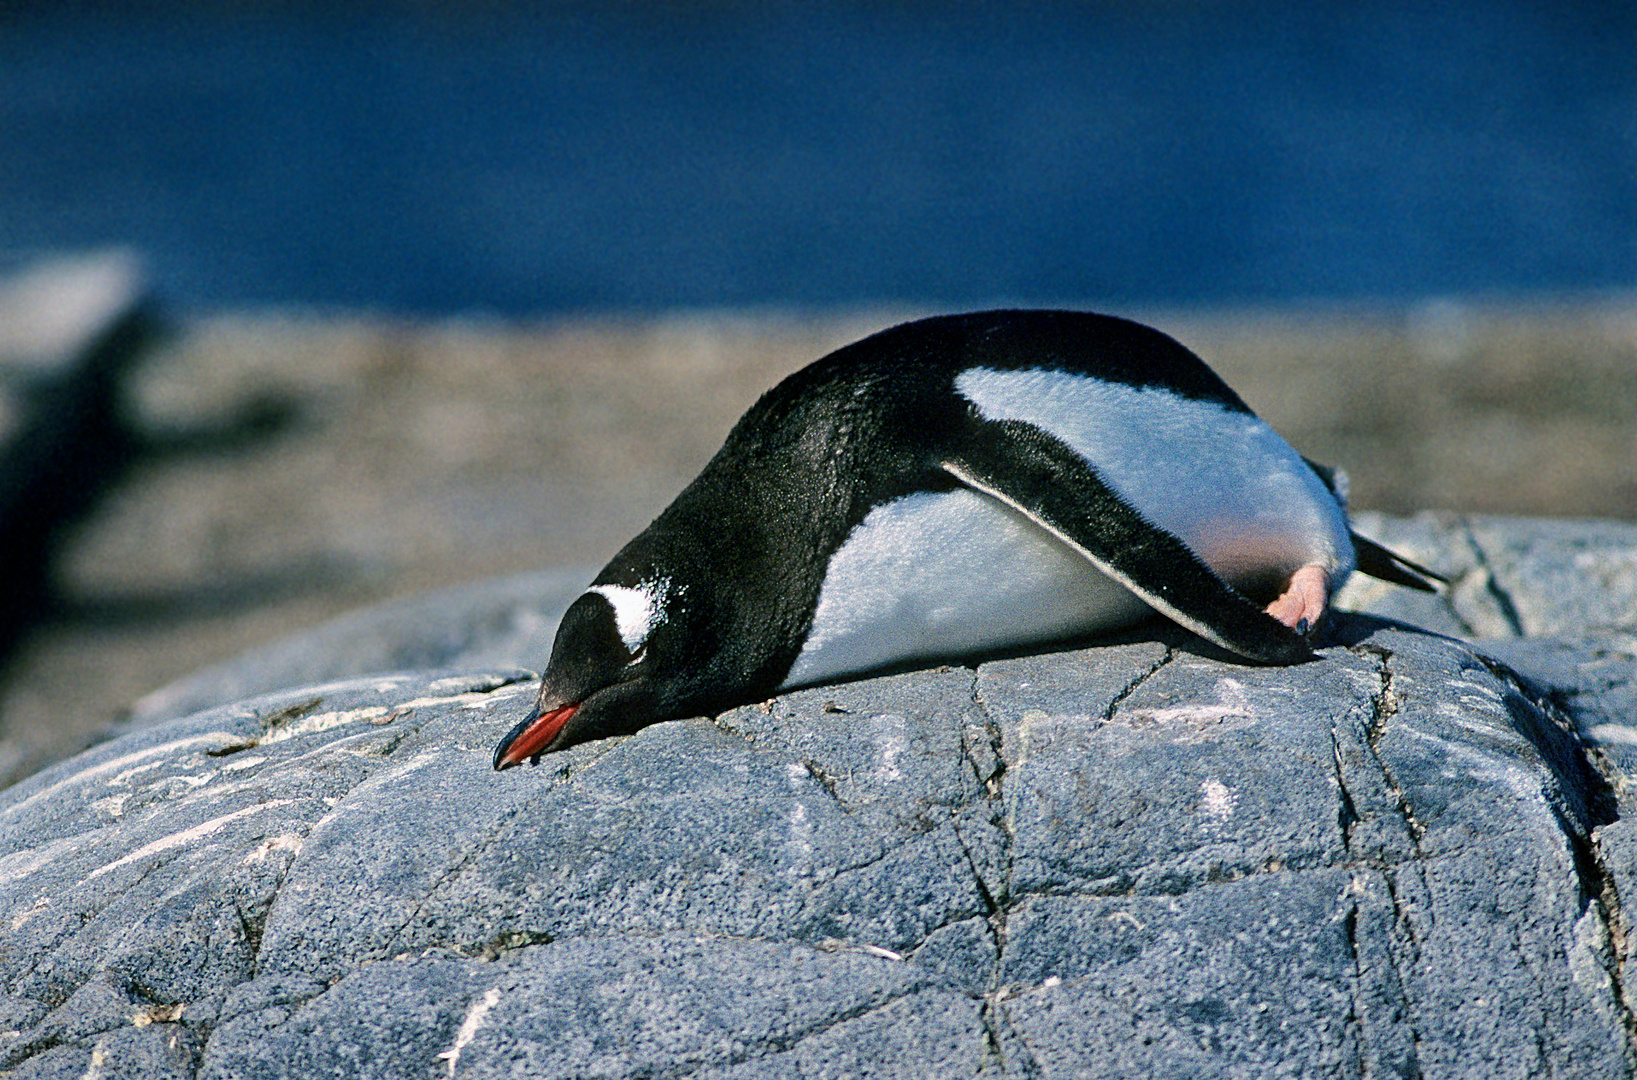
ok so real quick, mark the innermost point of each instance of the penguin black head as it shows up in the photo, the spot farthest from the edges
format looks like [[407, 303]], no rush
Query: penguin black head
[[630, 655], [602, 678]]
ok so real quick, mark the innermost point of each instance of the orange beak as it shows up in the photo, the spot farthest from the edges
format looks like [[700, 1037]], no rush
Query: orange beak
[[523, 744]]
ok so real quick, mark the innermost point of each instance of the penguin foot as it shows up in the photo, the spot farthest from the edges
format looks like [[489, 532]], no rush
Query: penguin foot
[[1303, 600]]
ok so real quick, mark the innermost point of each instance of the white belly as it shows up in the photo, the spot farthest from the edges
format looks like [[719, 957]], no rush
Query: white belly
[[940, 575]]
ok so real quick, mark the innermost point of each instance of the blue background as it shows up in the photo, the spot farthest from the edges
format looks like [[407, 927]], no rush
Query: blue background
[[429, 158]]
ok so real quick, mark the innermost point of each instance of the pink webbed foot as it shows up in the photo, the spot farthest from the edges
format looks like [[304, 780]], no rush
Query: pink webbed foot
[[1303, 600]]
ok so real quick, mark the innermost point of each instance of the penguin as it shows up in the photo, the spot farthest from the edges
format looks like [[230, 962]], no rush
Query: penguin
[[952, 486]]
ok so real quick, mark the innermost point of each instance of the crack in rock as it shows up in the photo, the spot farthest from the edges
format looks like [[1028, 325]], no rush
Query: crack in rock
[[290, 713], [1348, 817], [720, 723], [1130, 688], [1492, 587], [1384, 703], [504, 944], [1585, 802], [1347, 814], [991, 1012], [1616, 926], [449, 874], [827, 782], [258, 920], [1383, 706], [1000, 818], [1354, 1019]]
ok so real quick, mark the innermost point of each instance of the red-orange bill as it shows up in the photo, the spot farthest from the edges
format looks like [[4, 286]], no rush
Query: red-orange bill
[[534, 738]]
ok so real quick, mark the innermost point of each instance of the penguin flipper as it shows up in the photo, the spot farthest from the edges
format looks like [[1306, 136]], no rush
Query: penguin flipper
[[1060, 491]]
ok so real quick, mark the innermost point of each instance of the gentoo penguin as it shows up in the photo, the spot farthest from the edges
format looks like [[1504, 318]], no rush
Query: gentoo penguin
[[946, 487]]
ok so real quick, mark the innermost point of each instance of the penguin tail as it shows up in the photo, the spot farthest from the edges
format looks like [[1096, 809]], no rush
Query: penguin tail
[[1378, 562]]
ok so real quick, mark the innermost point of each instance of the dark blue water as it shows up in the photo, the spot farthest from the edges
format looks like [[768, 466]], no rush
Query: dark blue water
[[429, 158]]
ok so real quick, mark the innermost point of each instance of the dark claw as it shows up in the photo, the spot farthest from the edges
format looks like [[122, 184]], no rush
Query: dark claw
[[1302, 626]]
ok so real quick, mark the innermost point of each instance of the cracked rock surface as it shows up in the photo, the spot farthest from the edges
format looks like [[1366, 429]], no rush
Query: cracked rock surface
[[1411, 857]]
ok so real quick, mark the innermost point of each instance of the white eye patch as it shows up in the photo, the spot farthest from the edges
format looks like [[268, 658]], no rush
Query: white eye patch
[[636, 611]]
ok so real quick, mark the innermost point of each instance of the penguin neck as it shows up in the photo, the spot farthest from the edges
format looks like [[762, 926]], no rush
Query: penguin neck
[[741, 578]]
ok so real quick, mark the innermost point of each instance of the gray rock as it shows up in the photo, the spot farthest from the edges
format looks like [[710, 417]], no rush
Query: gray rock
[[1510, 577], [1413, 857], [1120, 861]]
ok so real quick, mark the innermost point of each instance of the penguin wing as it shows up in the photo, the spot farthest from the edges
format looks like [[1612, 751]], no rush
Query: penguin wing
[[1039, 476]]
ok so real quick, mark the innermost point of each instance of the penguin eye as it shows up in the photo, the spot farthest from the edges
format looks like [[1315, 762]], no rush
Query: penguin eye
[[638, 654]]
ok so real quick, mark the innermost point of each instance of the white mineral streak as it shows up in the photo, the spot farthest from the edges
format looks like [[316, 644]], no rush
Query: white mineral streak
[[473, 699], [20, 864], [99, 1058], [892, 743], [474, 1020], [221, 738], [1613, 733], [1217, 799], [800, 844], [306, 725], [283, 842], [1231, 701], [186, 836]]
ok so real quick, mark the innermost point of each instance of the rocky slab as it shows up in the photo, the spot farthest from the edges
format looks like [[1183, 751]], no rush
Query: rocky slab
[[1411, 857]]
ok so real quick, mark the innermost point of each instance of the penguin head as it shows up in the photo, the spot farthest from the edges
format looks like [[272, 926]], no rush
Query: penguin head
[[615, 667], [694, 615]]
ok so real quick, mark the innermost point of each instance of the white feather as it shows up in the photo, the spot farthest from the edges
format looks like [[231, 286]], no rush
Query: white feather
[[934, 575], [636, 611], [1222, 481]]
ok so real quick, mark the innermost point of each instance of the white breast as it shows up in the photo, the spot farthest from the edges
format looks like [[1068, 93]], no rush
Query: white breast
[[936, 575], [1222, 481]]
